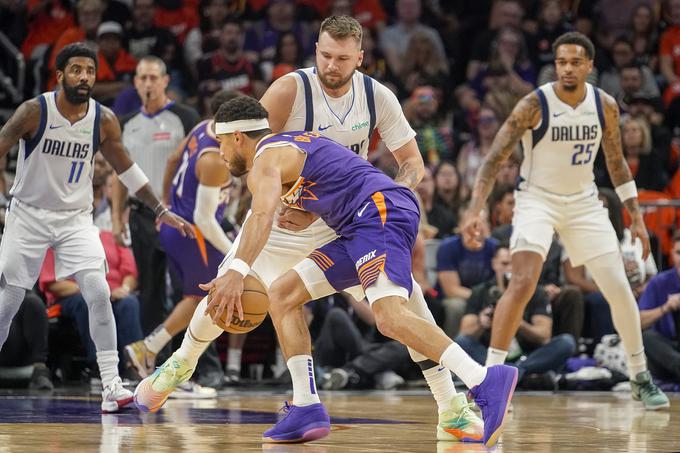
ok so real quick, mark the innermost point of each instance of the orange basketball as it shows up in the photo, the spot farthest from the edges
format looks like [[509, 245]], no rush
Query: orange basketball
[[255, 303]]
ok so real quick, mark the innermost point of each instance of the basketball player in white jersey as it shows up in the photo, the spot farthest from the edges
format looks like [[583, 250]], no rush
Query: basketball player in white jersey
[[561, 126], [345, 105], [58, 134]]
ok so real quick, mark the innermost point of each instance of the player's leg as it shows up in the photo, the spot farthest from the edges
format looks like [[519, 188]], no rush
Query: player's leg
[[24, 243], [533, 228], [590, 239]]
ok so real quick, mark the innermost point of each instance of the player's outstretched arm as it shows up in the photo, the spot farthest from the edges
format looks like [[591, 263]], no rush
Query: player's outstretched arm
[[619, 171], [411, 165], [278, 101], [132, 176], [23, 124], [264, 182]]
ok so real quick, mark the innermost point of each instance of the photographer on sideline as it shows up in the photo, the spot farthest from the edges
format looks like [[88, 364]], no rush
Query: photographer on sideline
[[539, 352]]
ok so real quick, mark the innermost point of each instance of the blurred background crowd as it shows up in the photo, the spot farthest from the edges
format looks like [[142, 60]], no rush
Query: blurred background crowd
[[458, 67]]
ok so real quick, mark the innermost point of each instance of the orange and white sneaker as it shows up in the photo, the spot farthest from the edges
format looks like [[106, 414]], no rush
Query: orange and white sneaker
[[115, 396], [459, 422], [153, 391]]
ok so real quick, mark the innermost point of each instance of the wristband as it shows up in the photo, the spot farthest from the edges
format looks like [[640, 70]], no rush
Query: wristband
[[627, 191], [240, 266], [159, 210], [133, 178]]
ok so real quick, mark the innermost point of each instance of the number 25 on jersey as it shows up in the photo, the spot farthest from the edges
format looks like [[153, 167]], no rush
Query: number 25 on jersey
[[583, 153]]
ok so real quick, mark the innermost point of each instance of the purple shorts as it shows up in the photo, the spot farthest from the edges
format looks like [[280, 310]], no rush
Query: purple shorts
[[192, 261], [380, 238]]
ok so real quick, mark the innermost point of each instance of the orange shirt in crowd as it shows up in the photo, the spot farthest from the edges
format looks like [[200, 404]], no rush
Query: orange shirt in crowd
[[125, 63], [669, 45], [46, 26]]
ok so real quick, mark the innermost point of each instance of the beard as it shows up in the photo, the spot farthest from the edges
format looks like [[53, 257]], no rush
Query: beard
[[569, 86], [73, 96], [334, 85], [237, 166]]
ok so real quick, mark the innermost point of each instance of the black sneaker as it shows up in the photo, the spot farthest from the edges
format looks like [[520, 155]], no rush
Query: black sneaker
[[41, 378]]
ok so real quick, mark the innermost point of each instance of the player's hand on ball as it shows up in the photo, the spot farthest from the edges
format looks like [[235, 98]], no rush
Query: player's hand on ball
[[226, 295], [639, 230], [173, 220], [295, 219]]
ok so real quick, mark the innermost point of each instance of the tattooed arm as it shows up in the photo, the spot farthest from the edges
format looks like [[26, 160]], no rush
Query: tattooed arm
[[618, 168], [525, 115], [411, 165], [23, 124]]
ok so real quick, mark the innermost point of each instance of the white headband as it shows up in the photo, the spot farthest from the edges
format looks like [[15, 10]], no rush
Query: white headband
[[241, 125]]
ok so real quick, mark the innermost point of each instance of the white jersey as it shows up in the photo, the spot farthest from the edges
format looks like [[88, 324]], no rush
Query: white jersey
[[560, 152], [351, 118], [54, 168]]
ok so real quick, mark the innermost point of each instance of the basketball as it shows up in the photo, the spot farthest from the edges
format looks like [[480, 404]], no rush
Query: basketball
[[255, 304]]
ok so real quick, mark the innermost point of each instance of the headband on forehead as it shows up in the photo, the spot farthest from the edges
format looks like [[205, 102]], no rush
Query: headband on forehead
[[241, 125]]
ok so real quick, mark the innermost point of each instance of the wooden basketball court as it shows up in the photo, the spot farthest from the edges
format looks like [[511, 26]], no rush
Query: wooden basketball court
[[401, 421]]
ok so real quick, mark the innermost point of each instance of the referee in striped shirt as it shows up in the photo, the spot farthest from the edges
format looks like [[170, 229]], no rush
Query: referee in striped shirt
[[150, 135]]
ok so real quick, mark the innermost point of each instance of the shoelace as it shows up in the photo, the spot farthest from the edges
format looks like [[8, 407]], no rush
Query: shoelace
[[650, 388], [286, 407]]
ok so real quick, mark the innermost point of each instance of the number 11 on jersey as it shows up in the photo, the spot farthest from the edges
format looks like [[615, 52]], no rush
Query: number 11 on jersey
[[76, 171]]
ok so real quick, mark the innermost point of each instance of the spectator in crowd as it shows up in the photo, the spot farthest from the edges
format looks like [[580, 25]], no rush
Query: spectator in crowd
[[206, 39], [660, 316], [423, 63], [472, 153], [178, 16], [542, 351], [374, 63], [622, 55], [462, 263], [122, 280], [643, 160], [435, 140], [288, 57], [150, 135], [552, 24], [643, 34], [89, 15], [613, 19], [27, 342], [369, 13], [394, 40], [227, 68], [46, 20], [501, 205], [669, 44], [116, 66], [448, 189], [438, 214], [143, 36]]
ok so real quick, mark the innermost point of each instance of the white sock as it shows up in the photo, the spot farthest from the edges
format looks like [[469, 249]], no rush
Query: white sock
[[637, 363], [458, 361], [108, 366], [199, 334], [304, 386], [441, 384], [234, 359], [495, 356], [157, 339]]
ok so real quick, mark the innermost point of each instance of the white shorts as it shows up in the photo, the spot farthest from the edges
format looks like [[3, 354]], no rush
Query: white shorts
[[30, 231], [580, 220], [284, 250]]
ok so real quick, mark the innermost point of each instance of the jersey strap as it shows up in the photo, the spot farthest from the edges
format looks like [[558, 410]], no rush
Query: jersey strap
[[309, 104], [95, 131], [33, 142], [598, 106], [537, 134], [370, 100]]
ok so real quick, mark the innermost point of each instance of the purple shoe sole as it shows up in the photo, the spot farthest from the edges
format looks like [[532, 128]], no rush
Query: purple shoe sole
[[509, 389], [314, 431]]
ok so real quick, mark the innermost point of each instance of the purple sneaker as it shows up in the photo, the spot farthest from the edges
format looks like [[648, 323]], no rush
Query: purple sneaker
[[493, 397], [300, 424]]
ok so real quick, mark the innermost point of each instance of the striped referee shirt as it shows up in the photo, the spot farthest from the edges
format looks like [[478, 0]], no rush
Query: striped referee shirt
[[151, 139]]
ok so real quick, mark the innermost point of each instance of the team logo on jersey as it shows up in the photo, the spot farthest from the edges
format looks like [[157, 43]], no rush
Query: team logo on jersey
[[323, 128], [367, 257], [300, 191], [358, 126]]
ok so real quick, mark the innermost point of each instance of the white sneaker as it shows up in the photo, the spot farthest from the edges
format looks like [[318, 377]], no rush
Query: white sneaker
[[115, 396], [388, 380], [192, 390]]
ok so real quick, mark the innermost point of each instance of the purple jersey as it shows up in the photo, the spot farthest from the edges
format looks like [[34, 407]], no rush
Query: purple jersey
[[335, 182], [185, 182]]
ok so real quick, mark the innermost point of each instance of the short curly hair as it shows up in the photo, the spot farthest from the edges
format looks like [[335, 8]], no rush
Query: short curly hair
[[77, 49], [576, 38], [243, 108]]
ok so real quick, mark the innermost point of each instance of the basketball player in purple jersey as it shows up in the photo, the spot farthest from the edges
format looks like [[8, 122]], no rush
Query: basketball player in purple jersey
[[196, 183], [376, 221]]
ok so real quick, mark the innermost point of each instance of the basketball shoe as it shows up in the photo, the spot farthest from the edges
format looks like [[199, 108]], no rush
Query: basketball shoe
[[493, 397], [115, 396], [142, 360], [646, 391], [154, 390], [300, 424], [459, 422]]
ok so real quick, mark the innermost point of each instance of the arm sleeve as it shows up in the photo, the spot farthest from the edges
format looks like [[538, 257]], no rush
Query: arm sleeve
[[207, 200], [391, 122]]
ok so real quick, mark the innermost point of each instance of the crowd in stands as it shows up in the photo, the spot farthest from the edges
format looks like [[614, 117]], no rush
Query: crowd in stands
[[458, 68]]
